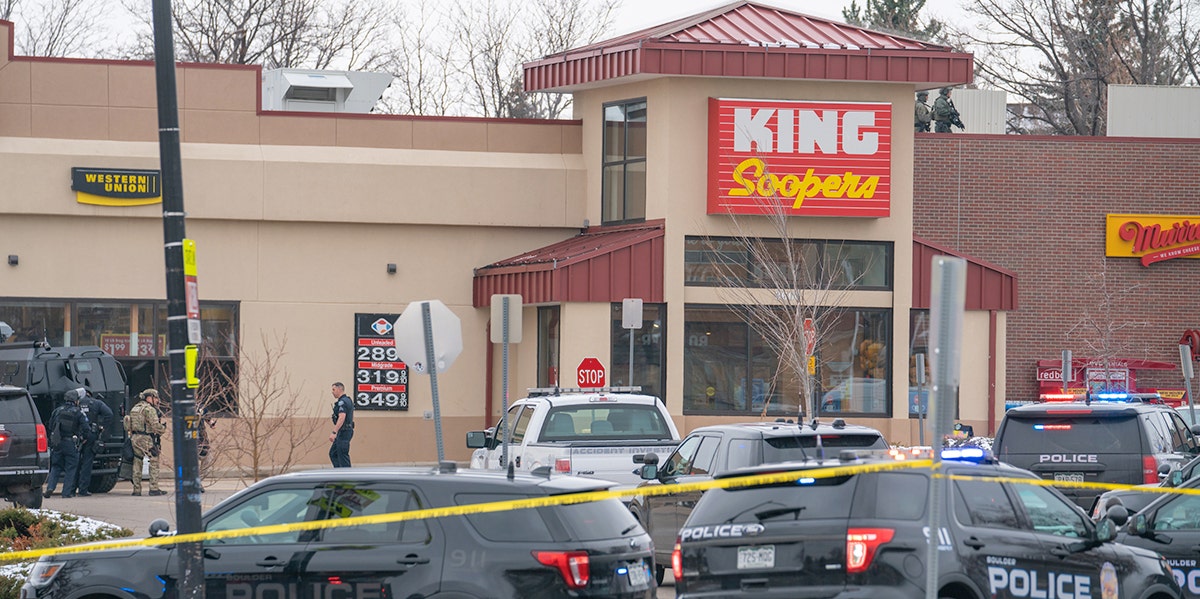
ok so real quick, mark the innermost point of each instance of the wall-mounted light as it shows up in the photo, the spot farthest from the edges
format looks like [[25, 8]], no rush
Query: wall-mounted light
[[391, 268], [13, 259]]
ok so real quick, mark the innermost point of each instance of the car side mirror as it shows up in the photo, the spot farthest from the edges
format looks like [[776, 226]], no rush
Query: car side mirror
[[1196, 430], [1175, 478], [477, 439], [1106, 529], [1138, 525], [649, 471]]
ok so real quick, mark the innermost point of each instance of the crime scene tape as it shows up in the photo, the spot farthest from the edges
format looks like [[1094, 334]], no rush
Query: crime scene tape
[[474, 508], [567, 499]]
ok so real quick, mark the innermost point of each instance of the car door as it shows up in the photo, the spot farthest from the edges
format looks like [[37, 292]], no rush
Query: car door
[[259, 565], [993, 542], [518, 419], [374, 559], [1173, 529], [660, 509], [1063, 531], [698, 469]]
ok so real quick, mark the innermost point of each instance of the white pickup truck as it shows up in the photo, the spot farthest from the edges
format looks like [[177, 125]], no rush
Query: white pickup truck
[[586, 432]]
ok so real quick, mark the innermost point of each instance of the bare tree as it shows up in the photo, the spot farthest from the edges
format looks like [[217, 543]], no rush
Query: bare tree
[[269, 426], [1058, 58], [558, 26], [55, 27], [793, 282], [1104, 329], [423, 67]]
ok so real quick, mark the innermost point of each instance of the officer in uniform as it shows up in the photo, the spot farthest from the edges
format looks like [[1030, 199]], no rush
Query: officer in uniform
[[923, 115], [100, 416], [944, 113], [67, 426], [343, 427], [145, 427]]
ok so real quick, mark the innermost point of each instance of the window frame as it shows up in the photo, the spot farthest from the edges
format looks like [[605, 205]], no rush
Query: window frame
[[608, 196]]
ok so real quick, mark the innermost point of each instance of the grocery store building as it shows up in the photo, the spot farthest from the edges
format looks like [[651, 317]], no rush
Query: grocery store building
[[315, 230]]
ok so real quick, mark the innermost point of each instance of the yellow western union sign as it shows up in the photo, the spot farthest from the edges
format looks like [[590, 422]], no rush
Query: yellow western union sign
[[116, 187]]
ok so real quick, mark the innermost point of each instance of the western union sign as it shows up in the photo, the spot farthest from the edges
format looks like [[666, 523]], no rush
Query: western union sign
[[116, 187]]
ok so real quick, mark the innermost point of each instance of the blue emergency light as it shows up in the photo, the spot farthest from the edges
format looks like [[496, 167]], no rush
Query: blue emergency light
[[974, 455]]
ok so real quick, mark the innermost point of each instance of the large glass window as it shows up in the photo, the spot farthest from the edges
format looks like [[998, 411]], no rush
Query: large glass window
[[729, 368], [649, 354], [918, 343], [623, 179], [548, 327], [36, 320], [766, 263]]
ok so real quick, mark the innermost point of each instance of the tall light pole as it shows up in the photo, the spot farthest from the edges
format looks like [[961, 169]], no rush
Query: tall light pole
[[183, 319]]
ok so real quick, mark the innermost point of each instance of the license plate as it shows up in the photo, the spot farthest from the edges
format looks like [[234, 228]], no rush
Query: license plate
[[752, 558], [639, 574], [1068, 477]]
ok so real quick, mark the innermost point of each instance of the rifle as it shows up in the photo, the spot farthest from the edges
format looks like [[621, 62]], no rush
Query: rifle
[[954, 120]]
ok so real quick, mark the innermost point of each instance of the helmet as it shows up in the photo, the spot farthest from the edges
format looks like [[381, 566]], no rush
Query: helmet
[[148, 393], [921, 95], [71, 396], [945, 90]]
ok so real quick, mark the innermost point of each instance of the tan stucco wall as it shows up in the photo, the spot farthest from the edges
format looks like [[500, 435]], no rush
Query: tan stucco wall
[[296, 216]]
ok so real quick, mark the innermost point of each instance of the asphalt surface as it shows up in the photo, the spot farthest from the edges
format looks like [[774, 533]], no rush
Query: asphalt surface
[[121, 508]]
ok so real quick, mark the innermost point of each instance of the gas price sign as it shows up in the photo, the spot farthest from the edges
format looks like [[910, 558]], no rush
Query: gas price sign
[[380, 378]]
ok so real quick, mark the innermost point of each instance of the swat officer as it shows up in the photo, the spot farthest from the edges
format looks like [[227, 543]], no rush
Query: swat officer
[[145, 427], [923, 115], [944, 112], [100, 417], [67, 426]]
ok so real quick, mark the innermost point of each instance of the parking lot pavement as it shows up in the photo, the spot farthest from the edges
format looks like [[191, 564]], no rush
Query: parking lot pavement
[[121, 508]]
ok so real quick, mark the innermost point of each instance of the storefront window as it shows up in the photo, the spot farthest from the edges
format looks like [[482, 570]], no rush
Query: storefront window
[[854, 362], [623, 178], [715, 358], [649, 356], [765, 263], [548, 327], [35, 320], [105, 325], [918, 343]]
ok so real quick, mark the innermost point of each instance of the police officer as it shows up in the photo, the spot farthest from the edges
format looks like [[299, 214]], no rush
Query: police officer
[[145, 427], [100, 417], [67, 426], [944, 112], [923, 115], [343, 427]]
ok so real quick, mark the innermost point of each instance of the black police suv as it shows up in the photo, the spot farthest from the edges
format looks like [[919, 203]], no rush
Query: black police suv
[[864, 535], [593, 549], [1170, 525], [1107, 438], [24, 451], [712, 449]]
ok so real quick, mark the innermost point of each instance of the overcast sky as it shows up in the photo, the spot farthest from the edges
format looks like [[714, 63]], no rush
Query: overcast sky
[[639, 14]]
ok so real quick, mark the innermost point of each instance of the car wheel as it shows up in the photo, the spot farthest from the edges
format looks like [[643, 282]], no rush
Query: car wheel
[[660, 572], [103, 484], [31, 499]]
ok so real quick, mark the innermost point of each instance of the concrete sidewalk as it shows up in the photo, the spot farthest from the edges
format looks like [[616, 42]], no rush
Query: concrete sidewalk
[[121, 508]]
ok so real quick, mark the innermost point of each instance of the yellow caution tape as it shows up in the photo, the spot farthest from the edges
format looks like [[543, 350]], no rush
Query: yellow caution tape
[[567, 499]]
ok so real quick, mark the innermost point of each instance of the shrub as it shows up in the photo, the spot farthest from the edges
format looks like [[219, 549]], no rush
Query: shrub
[[22, 529]]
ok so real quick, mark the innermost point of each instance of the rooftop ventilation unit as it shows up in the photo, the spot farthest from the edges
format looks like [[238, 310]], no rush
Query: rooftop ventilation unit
[[302, 90]]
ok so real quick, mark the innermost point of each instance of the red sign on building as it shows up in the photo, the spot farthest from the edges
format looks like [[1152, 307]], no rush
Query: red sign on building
[[807, 158]]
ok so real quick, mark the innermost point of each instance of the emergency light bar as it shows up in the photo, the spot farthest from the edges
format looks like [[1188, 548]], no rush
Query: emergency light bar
[[972, 455], [536, 391]]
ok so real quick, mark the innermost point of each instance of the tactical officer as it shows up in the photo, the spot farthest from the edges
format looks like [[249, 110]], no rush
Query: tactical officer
[[923, 115], [145, 427], [944, 112], [343, 427], [100, 417], [67, 426]]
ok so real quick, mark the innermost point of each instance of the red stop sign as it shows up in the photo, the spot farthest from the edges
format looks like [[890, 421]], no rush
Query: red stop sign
[[590, 373]]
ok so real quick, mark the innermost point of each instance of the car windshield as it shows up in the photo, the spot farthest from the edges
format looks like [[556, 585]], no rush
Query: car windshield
[[786, 449], [1066, 434], [600, 422], [15, 408]]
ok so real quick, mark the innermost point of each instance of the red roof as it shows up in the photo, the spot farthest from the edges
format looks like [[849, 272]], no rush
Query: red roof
[[988, 287], [602, 264], [744, 39]]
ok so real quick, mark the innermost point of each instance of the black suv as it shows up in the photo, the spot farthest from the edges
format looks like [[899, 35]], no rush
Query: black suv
[[593, 549], [709, 450], [863, 535], [24, 456], [1170, 525], [1107, 438]]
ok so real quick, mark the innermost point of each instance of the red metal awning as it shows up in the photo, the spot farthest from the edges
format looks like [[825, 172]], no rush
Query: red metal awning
[[744, 39], [602, 264], [988, 287]]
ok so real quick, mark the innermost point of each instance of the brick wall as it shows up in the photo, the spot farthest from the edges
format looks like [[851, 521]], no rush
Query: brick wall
[[1037, 206]]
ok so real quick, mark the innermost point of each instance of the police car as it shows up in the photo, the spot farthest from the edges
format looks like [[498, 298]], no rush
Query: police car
[[863, 535], [1170, 525], [1121, 438], [594, 549]]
